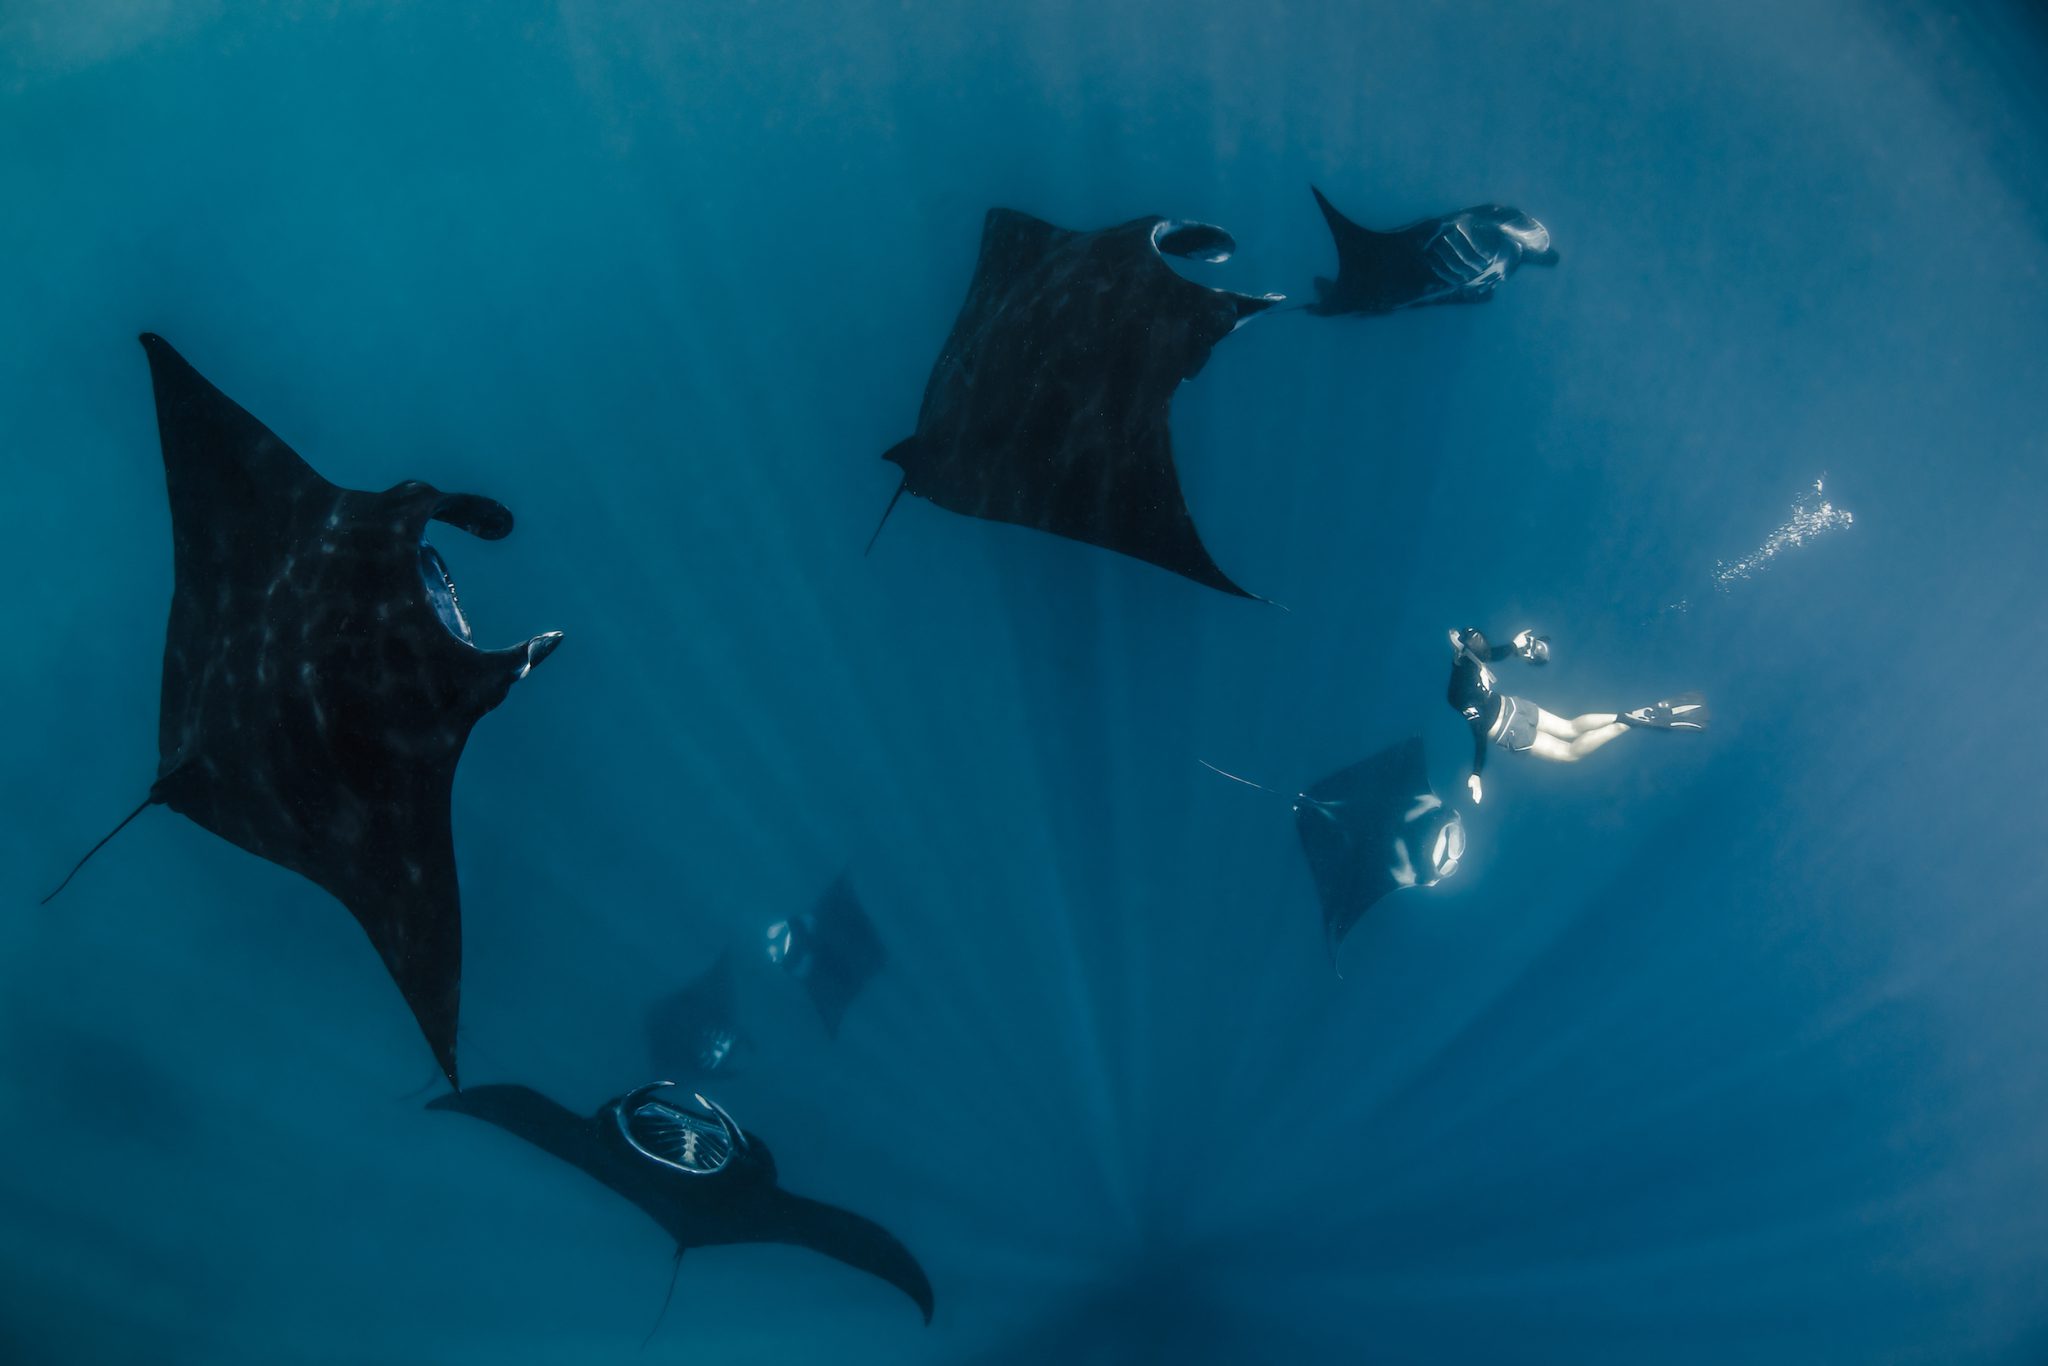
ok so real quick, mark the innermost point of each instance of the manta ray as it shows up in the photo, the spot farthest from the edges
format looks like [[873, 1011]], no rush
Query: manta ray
[[696, 1173], [1048, 406], [1455, 258], [319, 678], [1371, 829], [832, 950], [696, 1030]]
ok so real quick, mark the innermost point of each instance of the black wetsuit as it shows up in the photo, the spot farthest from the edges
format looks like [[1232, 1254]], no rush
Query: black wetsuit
[[1473, 698]]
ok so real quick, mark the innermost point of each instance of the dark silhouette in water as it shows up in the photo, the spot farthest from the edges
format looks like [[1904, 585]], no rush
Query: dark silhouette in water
[[1049, 404], [832, 950], [319, 681], [1459, 258], [695, 1032], [1371, 829], [694, 1172]]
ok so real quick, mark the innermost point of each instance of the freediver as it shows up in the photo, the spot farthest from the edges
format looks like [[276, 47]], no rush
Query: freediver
[[1519, 726]]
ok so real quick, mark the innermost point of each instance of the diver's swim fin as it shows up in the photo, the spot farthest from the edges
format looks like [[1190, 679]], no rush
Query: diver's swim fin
[[1687, 711]]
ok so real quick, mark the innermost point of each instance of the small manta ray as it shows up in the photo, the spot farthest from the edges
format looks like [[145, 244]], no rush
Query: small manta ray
[[1048, 406], [319, 679], [1460, 258], [697, 1028], [1373, 828], [694, 1172], [833, 950]]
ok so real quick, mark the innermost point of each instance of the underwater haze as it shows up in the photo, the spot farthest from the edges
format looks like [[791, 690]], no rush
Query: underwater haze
[[1718, 1048]]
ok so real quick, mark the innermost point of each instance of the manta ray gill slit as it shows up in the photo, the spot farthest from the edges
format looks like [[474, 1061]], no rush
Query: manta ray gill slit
[[440, 586]]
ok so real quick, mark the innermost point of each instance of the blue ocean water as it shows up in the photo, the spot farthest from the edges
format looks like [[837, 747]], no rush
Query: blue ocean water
[[1719, 1048]]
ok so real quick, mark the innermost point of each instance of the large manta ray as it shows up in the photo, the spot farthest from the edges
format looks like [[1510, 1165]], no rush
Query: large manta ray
[[694, 1172], [319, 679], [1458, 258], [1048, 406]]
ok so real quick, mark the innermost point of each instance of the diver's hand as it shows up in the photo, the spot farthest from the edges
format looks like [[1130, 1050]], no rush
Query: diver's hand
[[1472, 786], [1522, 639]]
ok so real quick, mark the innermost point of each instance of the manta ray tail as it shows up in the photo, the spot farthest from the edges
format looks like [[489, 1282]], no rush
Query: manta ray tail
[[674, 1271], [1246, 781], [429, 1084], [885, 514], [147, 802]]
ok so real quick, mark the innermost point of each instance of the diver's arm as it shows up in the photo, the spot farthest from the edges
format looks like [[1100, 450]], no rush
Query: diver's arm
[[1480, 745]]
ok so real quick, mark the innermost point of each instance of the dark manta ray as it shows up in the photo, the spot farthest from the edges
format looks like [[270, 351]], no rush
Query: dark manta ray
[[319, 681], [1460, 258], [1049, 403], [694, 1172], [696, 1030], [833, 950], [1373, 828]]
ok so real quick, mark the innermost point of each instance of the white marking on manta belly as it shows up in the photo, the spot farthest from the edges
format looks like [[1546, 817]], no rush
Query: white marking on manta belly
[[1424, 804], [1403, 869]]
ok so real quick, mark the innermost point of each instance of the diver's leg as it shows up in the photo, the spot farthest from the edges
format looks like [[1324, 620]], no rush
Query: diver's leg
[[1560, 750], [1591, 740], [1550, 723]]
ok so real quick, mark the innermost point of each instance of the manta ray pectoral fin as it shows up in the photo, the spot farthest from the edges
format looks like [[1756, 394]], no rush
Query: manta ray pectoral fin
[[847, 1238], [484, 518], [1342, 229], [1337, 221]]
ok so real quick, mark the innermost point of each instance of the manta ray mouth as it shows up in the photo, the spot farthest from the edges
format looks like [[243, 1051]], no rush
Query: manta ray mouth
[[699, 1142], [440, 586], [1449, 849]]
